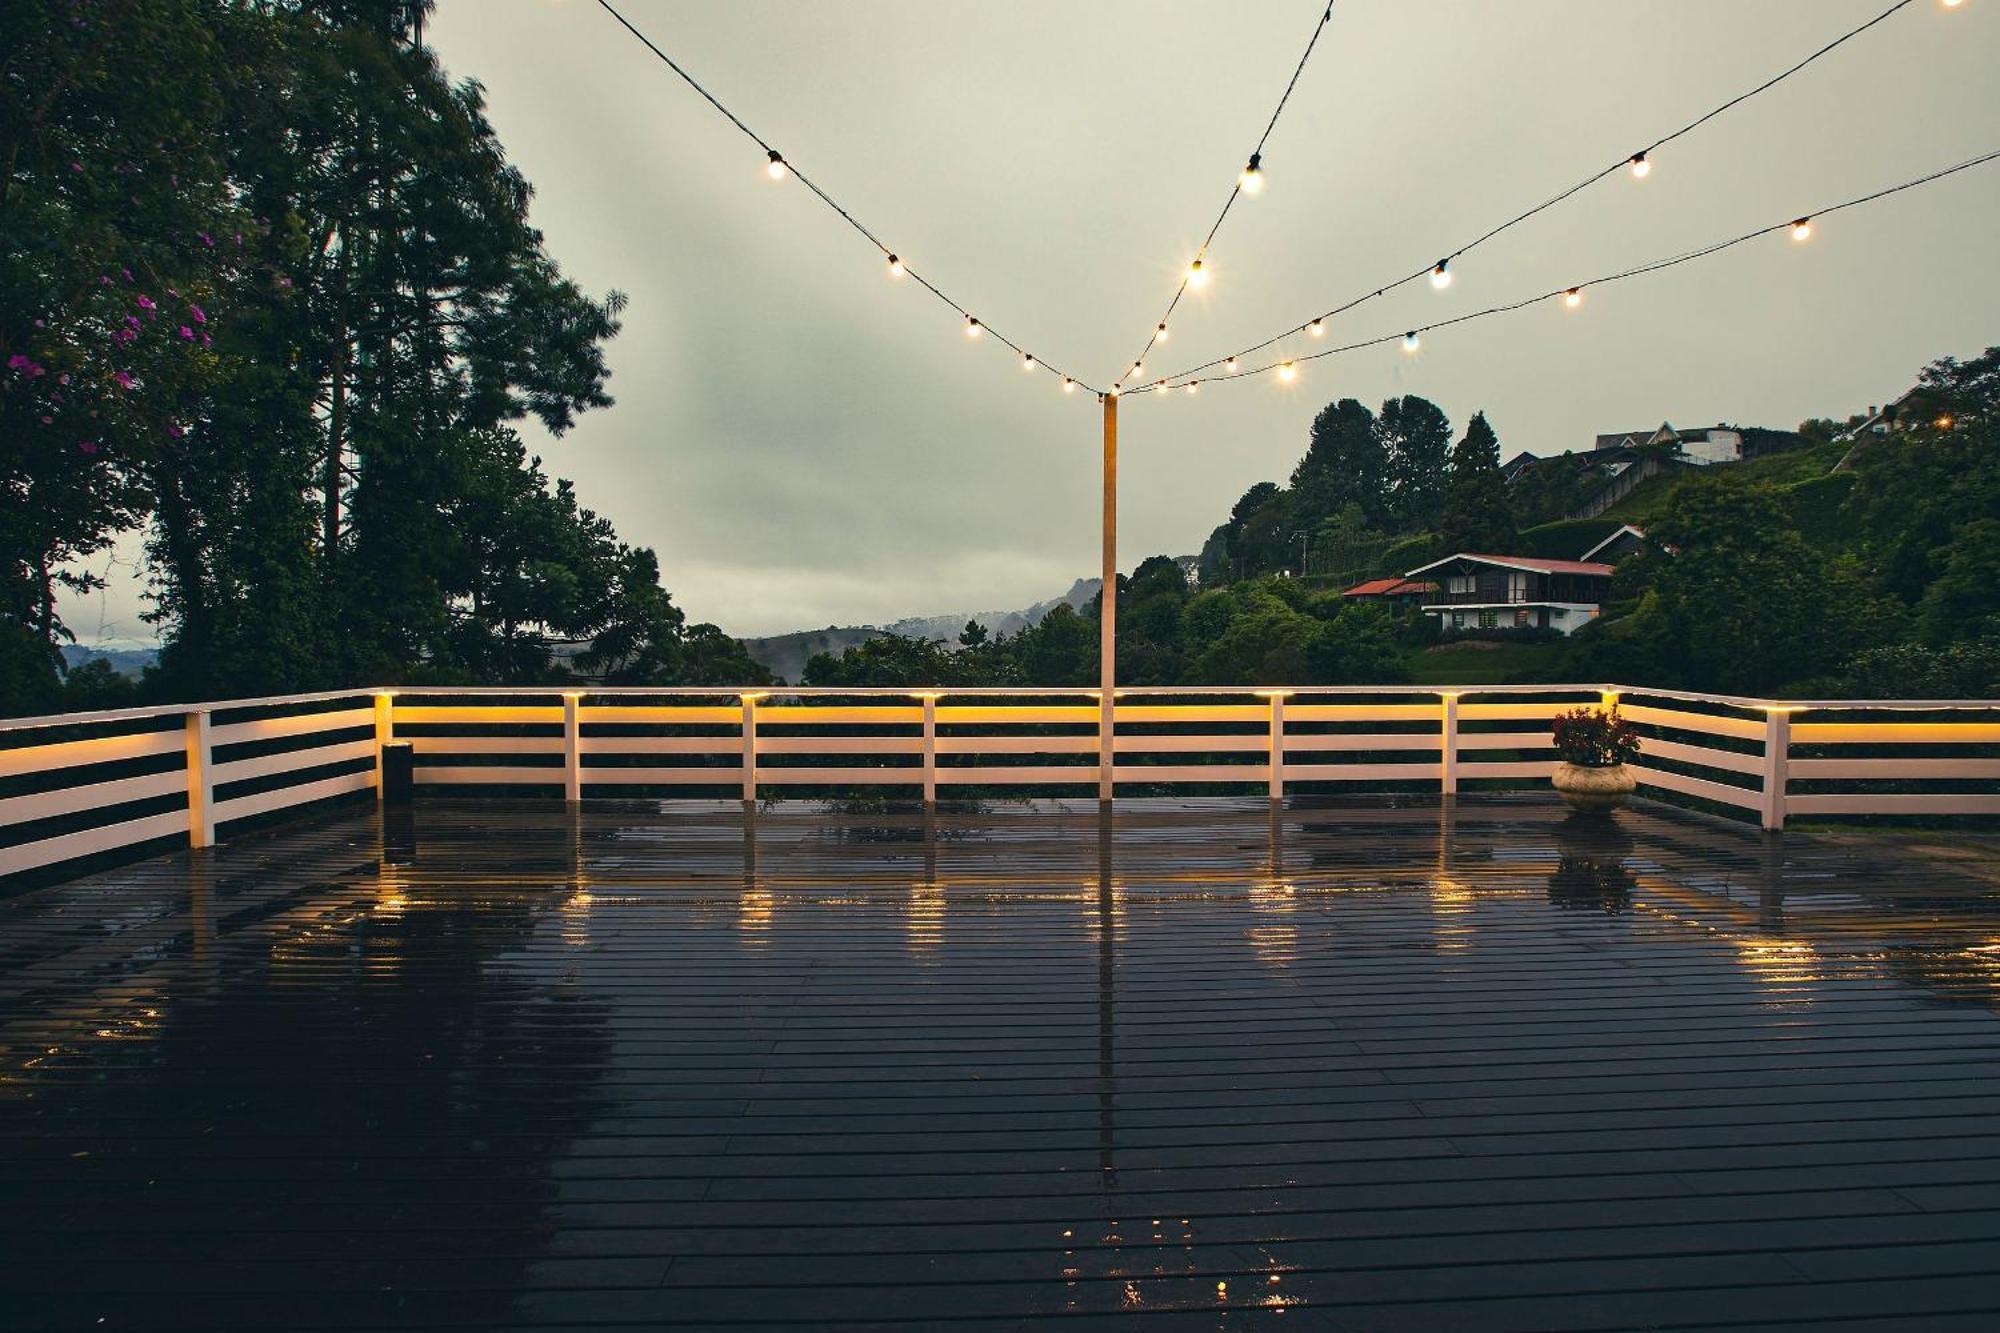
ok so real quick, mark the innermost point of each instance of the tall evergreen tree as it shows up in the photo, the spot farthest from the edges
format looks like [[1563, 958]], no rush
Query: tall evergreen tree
[[1415, 435], [1478, 515], [1346, 463]]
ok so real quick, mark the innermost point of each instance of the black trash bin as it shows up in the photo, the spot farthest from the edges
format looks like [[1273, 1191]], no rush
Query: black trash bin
[[399, 772]]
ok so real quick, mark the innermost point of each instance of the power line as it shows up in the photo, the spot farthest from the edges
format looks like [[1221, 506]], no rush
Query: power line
[[1640, 163], [1800, 226], [1249, 180], [779, 166]]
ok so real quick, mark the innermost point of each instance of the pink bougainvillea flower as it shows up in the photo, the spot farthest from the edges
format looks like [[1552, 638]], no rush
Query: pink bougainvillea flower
[[284, 282], [41, 324], [195, 312], [128, 274], [124, 378], [207, 341], [187, 334], [174, 292], [206, 239], [48, 421], [175, 431], [104, 279], [124, 336], [87, 446], [76, 166], [18, 361], [146, 302], [132, 321], [61, 379], [239, 240]]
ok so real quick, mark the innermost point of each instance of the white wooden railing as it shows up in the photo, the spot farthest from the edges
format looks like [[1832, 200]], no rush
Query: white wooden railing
[[79, 785]]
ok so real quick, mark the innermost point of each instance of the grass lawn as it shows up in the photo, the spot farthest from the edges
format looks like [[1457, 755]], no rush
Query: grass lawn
[[1484, 663]]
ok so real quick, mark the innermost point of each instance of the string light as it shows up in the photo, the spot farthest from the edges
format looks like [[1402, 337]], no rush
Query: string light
[[1412, 340], [1027, 362], [1288, 371], [1069, 385], [1197, 275], [1137, 366], [1639, 162], [1252, 179], [1802, 229], [972, 327], [1441, 275], [1317, 328], [776, 166], [1192, 387], [1573, 297], [895, 267], [1160, 334]]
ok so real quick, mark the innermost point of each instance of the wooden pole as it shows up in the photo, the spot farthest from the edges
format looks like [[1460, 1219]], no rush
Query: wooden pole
[[1107, 624]]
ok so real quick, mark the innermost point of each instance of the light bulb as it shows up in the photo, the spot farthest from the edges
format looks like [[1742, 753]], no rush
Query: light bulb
[[1411, 342], [1640, 166], [1802, 229], [1317, 328], [1115, 390], [1138, 366], [972, 329], [1193, 387], [895, 266], [1160, 334], [1252, 179], [1573, 297], [1230, 365], [776, 167], [1069, 385], [1289, 371], [1027, 362], [1953, 4], [1197, 275], [1441, 275]]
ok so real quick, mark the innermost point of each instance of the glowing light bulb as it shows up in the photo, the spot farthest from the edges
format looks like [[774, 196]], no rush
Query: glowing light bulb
[[1137, 366], [1197, 275], [1193, 387], [972, 327], [1441, 275], [1573, 297], [1288, 371], [1953, 4], [1641, 168], [1252, 179], [1160, 334], [1069, 385], [1944, 423], [1411, 342], [1802, 229], [1027, 362], [895, 266], [1230, 365], [1115, 390], [776, 167], [1317, 328]]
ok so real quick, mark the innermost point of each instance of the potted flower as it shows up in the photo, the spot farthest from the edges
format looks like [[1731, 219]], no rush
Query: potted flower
[[1595, 745]]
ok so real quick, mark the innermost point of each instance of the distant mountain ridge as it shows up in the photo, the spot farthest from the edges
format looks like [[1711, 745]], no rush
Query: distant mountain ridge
[[786, 655]]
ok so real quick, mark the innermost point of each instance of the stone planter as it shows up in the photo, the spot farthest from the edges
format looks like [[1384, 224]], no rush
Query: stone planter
[[1595, 788]]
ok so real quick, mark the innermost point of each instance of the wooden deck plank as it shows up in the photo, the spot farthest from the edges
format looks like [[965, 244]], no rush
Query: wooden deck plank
[[652, 1065]]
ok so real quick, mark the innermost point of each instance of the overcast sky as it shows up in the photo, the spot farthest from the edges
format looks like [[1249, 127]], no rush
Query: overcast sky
[[806, 442]]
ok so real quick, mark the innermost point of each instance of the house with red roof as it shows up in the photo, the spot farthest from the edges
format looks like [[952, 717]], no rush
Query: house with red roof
[[1395, 591], [1514, 592]]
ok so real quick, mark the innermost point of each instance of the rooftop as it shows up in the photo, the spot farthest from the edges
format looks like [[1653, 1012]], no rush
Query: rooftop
[[1382, 1063]]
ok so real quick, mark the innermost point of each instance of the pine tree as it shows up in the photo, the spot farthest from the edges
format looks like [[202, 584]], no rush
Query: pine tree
[[1478, 512]]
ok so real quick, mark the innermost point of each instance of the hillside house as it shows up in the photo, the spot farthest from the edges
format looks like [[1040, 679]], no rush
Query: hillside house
[[1394, 591], [1515, 592]]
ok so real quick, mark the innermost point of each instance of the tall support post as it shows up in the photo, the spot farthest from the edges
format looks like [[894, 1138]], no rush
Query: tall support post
[[1277, 702], [572, 748], [385, 731], [750, 748], [1777, 763], [200, 782], [1107, 622], [1448, 745], [1607, 700], [930, 750]]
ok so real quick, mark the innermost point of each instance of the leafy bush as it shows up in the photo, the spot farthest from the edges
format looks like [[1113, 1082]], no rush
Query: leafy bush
[[1595, 738]]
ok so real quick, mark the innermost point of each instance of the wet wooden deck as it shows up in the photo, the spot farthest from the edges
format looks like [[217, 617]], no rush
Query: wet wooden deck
[[1360, 1066]]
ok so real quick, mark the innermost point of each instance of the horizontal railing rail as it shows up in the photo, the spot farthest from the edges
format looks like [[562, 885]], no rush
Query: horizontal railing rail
[[76, 786]]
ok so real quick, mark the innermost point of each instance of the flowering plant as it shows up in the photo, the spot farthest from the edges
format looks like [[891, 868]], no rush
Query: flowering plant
[[1595, 738]]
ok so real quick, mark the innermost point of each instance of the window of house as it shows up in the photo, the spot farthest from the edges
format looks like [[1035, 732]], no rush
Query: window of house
[[1458, 620], [1489, 620], [1458, 583], [1524, 617]]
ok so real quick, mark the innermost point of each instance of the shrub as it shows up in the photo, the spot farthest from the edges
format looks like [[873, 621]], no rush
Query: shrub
[[1595, 738]]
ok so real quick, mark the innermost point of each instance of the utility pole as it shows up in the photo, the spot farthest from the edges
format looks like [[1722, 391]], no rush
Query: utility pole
[[1107, 615], [1305, 540]]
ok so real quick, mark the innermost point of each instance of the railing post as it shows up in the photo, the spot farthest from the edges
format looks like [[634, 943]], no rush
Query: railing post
[[1777, 763], [1448, 744], [385, 731], [1607, 700], [572, 749], [930, 749], [200, 782], [1107, 745], [750, 748], [1277, 747]]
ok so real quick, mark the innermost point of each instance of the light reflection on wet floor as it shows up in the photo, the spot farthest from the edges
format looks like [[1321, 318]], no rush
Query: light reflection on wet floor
[[1350, 1064]]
